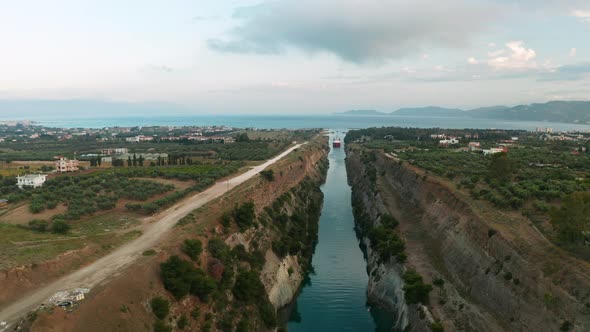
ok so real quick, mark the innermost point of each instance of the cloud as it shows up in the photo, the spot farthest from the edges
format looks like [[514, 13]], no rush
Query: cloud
[[472, 61], [573, 52], [574, 72], [354, 30], [518, 57], [583, 15], [157, 68]]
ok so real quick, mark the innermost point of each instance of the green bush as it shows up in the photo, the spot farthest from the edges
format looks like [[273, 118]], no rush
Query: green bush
[[220, 250], [415, 290], [244, 215], [160, 307], [161, 326], [180, 278], [60, 227], [193, 248], [182, 322], [268, 175], [248, 287], [38, 225], [437, 327]]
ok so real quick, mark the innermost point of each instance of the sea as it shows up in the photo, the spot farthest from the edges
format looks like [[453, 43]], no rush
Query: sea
[[294, 122]]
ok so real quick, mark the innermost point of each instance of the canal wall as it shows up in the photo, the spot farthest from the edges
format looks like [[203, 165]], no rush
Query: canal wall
[[493, 280]]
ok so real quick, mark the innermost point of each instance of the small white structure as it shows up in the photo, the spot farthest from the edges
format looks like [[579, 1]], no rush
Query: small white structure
[[447, 142], [493, 151], [31, 180]]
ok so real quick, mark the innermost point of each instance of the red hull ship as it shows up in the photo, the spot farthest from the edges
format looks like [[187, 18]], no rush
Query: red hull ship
[[336, 143]]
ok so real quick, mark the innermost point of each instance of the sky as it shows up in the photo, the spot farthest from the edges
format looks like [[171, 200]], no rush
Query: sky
[[295, 56]]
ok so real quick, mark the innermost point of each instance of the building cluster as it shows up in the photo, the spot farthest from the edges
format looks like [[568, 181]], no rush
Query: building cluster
[[126, 156], [139, 138], [114, 151], [27, 131], [544, 130], [571, 137]]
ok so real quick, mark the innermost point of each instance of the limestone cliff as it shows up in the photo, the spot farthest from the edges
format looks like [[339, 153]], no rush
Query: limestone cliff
[[497, 272]]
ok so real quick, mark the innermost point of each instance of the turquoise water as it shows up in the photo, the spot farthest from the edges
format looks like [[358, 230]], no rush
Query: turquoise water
[[293, 121], [334, 298]]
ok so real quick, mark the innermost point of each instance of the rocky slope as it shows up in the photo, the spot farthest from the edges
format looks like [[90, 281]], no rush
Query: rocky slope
[[277, 246], [494, 271]]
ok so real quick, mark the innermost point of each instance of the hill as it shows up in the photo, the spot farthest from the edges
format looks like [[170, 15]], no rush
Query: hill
[[553, 111], [430, 111], [361, 112]]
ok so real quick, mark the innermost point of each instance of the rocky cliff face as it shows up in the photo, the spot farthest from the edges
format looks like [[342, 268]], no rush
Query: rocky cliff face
[[498, 272], [289, 232]]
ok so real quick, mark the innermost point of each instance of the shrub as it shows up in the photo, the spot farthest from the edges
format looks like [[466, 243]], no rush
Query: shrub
[[415, 290], [244, 215], [60, 227], [160, 307], [180, 278], [268, 175], [196, 313], [226, 219], [192, 248], [491, 232], [160, 326], [220, 250], [438, 282], [182, 322], [248, 287], [565, 326], [38, 225], [437, 327]]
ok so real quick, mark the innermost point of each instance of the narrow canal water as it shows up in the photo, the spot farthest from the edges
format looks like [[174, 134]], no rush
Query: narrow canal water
[[334, 297]]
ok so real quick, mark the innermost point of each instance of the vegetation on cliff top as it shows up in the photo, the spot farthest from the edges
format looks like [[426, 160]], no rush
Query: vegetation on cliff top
[[540, 172]]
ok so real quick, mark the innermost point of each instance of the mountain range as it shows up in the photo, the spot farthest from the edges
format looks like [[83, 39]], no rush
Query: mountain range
[[553, 111]]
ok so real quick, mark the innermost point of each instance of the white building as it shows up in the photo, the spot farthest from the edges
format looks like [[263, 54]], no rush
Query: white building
[[31, 180], [494, 151], [447, 142]]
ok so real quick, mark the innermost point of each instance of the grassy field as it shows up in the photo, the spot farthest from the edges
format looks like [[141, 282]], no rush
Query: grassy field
[[19, 245]]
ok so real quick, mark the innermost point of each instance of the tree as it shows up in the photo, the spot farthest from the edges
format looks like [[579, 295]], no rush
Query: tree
[[118, 162], [38, 225], [140, 160], [60, 227], [180, 278], [160, 307], [160, 326], [243, 137], [134, 160], [573, 218], [415, 290], [244, 215], [269, 175], [248, 287], [129, 162], [501, 167], [192, 248]]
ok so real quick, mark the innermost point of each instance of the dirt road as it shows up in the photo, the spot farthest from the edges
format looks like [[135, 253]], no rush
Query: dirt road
[[122, 257]]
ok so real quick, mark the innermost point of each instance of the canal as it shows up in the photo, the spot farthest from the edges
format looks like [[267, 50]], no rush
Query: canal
[[334, 296]]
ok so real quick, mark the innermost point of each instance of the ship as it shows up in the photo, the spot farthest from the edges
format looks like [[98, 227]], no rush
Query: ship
[[336, 143]]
